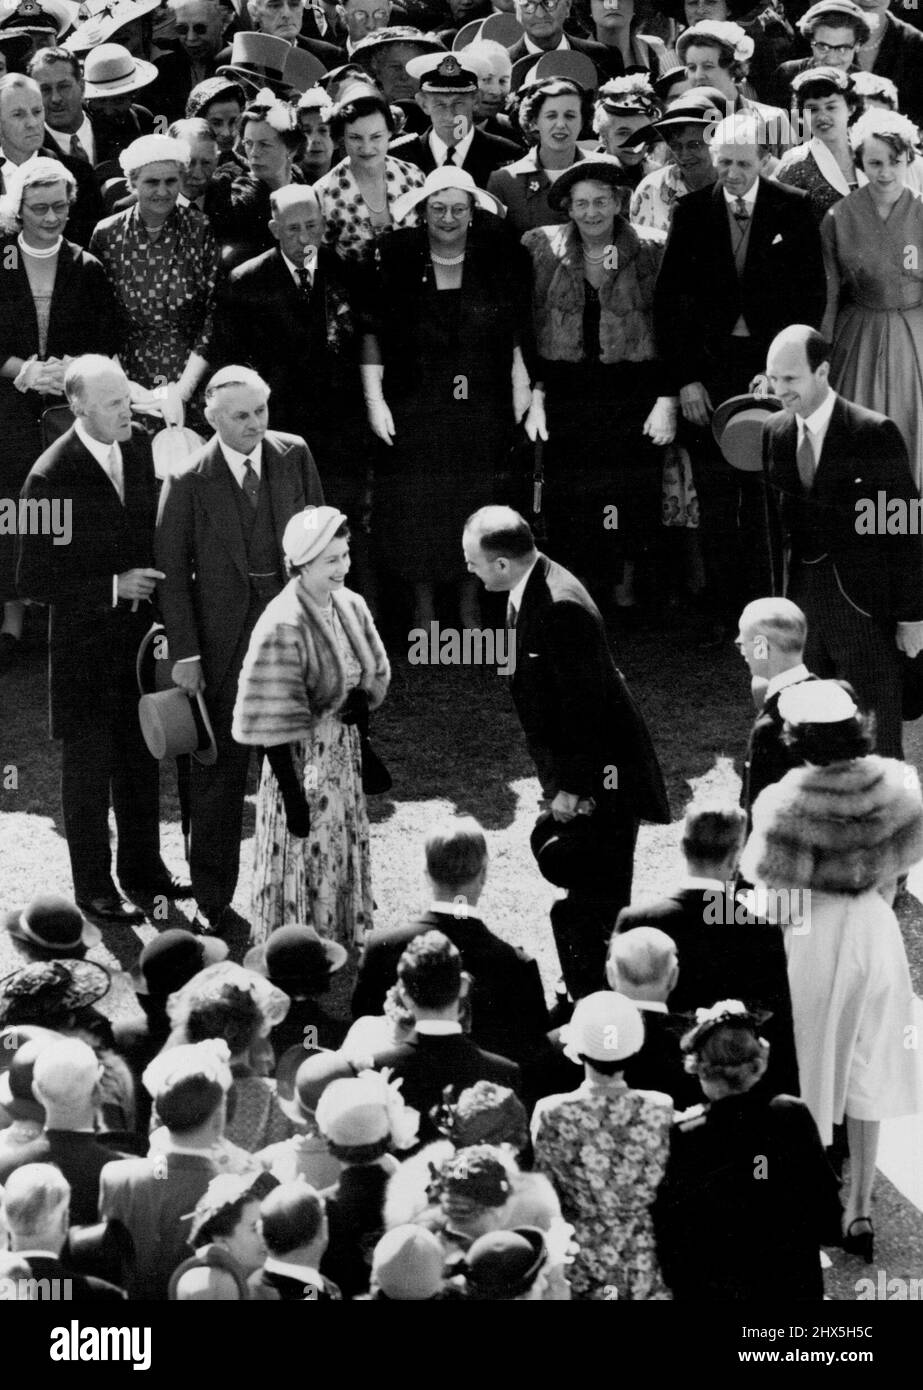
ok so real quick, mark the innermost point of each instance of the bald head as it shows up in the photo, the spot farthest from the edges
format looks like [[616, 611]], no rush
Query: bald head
[[798, 367], [499, 547], [98, 393], [772, 635], [642, 964]]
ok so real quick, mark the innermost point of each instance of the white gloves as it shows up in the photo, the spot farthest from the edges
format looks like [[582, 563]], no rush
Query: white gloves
[[46, 377], [536, 428], [522, 387], [379, 415], [909, 638], [660, 425]]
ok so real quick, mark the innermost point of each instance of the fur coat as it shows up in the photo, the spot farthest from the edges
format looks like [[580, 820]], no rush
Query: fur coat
[[293, 673], [846, 828]]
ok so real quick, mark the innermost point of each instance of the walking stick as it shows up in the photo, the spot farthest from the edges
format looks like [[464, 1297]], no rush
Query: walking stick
[[538, 488]]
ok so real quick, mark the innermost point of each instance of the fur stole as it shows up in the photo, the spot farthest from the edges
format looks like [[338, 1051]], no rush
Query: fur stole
[[293, 672], [846, 828]]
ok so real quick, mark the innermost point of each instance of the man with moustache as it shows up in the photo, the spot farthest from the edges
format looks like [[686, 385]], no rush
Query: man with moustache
[[219, 545], [99, 589]]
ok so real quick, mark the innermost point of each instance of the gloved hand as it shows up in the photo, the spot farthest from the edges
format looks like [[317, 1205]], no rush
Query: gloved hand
[[172, 405], [356, 704], [380, 417], [536, 428], [35, 375], [660, 425], [298, 817]]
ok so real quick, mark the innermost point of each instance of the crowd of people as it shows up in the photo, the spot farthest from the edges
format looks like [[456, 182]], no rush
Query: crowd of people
[[295, 292]]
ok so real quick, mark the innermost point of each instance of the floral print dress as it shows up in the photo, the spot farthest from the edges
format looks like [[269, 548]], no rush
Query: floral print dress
[[605, 1148], [325, 879]]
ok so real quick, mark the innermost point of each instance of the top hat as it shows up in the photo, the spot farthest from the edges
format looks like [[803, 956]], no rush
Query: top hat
[[110, 71], [737, 426], [52, 927], [174, 723], [257, 60]]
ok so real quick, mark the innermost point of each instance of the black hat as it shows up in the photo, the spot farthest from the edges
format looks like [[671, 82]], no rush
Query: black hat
[[51, 927], [599, 168], [45, 987], [172, 959], [297, 960], [16, 45], [505, 1264], [568, 852]]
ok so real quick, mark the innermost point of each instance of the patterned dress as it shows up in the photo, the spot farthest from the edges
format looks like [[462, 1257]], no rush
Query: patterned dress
[[165, 289], [325, 879], [605, 1148], [349, 220]]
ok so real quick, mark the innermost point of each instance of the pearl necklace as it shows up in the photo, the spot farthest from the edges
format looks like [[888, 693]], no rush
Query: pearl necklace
[[446, 260], [592, 258], [39, 253]]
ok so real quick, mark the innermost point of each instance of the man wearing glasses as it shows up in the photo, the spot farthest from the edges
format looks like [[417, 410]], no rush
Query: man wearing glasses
[[543, 22], [361, 18]]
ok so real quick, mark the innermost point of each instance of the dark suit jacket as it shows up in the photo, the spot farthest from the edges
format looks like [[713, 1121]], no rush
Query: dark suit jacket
[[266, 1286], [428, 1064], [659, 1064], [80, 1157], [485, 154], [355, 1215], [508, 1011], [699, 297], [92, 646], [200, 547], [717, 961], [863, 453], [768, 758], [574, 705], [169, 92], [151, 1201], [314, 382], [84, 1288], [608, 60]]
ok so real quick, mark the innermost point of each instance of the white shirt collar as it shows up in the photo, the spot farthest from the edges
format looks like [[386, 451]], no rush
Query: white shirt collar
[[440, 149], [8, 167], [515, 594], [534, 48], [184, 202], [99, 450], [790, 677], [303, 1273], [651, 1006], [749, 198], [819, 419], [690, 881], [437, 1027], [450, 909], [63, 138], [237, 462]]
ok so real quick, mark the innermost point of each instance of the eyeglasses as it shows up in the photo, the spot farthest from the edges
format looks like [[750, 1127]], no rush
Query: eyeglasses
[[441, 210], [380, 17], [530, 6], [823, 49], [43, 209], [588, 205]]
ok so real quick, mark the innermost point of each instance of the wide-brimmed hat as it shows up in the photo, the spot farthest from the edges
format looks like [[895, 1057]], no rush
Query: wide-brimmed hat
[[469, 33], [396, 33], [302, 70], [173, 723], [449, 176], [15, 45], [705, 107], [737, 426], [39, 17], [312, 1078], [51, 927], [599, 168], [505, 1264], [100, 19], [16, 1094], [605, 1027], [46, 986], [172, 959], [110, 71], [297, 959]]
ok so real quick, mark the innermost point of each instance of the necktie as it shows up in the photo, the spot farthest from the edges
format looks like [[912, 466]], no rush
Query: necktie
[[512, 613], [305, 281], [741, 215], [77, 150], [251, 485], [450, 157], [114, 469], [805, 459]]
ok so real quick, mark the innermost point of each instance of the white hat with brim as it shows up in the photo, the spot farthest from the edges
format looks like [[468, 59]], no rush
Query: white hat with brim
[[174, 723], [449, 176], [172, 448], [605, 1027], [111, 71], [105, 19], [816, 702]]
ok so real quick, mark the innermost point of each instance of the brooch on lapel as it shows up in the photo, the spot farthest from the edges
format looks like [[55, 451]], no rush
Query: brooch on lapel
[[534, 185]]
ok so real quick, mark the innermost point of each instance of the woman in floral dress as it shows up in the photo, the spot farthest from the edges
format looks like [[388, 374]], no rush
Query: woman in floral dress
[[605, 1148], [315, 666]]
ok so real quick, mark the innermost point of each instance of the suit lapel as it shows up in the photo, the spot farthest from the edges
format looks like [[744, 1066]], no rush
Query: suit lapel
[[219, 504], [283, 489], [836, 445]]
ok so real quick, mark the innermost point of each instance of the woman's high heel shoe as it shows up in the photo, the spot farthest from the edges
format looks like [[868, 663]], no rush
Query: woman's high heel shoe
[[860, 1242]]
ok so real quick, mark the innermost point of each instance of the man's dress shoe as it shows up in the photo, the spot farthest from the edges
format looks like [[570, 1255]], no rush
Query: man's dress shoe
[[166, 885], [111, 907]]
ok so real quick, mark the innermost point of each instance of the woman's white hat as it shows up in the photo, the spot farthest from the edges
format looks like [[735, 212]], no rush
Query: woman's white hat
[[449, 176]]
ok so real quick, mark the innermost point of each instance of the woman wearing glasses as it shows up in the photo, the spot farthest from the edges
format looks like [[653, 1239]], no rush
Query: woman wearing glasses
[[597, 400], [835, 31]]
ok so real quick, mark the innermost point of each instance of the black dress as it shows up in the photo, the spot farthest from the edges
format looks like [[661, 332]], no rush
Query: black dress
[[448, 360], [747, 1199]]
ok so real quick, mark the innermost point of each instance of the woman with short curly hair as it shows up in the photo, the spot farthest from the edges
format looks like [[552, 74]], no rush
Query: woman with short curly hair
[[551, 115]]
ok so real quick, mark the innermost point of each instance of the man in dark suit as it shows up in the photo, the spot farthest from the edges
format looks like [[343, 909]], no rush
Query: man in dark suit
[[431, 987], [508, 1011], [22, 134], [834, 472], [742, 261], [37, 1210], [286, 314], [587, 737], [723, 950], [200, 26], [293, 1222], [448, 95], [771, 640], [219, 545], [99, 585], [543, 22], [642, 966]]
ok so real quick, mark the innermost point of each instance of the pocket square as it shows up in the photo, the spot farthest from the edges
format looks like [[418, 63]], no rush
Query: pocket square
[[777, 238]]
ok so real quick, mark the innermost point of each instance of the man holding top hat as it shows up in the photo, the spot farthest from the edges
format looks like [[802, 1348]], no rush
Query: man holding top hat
[[99, 588], [219, 545], [448, 95]]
